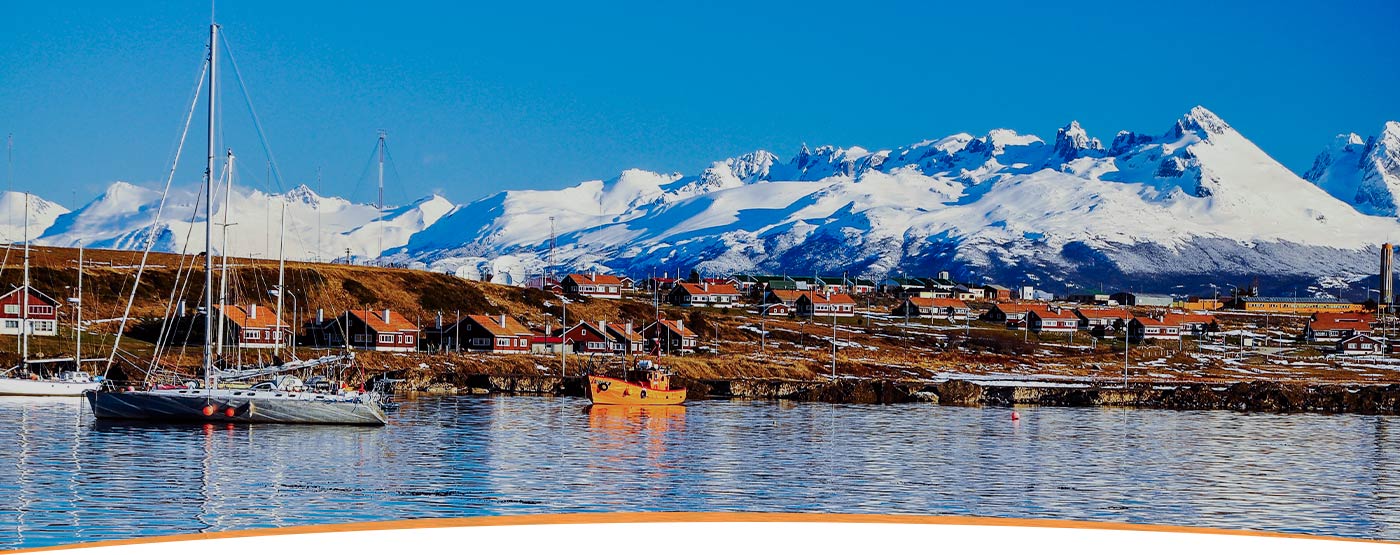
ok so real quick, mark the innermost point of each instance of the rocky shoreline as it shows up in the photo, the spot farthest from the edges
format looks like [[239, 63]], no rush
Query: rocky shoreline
[[1254, 396]]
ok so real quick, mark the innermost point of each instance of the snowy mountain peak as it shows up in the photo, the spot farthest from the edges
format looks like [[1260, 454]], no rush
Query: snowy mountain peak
[[753, 166], [1072, 142], [1365, 174], [302, 194], [42, 214], [1204, 123]]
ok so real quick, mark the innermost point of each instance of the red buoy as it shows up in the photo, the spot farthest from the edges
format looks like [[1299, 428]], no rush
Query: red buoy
[[208, 410], [1015, 415], [228, 412]]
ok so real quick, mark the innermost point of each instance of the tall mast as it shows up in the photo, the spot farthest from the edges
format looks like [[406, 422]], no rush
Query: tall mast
[[209, 380], [78, 317], [382, 135], [281, 276], [223, 255], [24, 296]]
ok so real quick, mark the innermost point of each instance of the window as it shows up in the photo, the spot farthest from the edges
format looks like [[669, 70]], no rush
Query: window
[[596, 345], [11, 309], [386, 338], [250, 334], [502, 342], [12, 324], [40, 309], [361, 338], [480, 341]]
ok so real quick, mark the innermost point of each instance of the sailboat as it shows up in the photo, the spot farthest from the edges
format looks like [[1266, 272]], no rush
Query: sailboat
[[23, 380], [278, 397]]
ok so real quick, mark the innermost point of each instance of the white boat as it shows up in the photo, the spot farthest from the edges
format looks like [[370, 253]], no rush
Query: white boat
[[280, 398], [65, 384]]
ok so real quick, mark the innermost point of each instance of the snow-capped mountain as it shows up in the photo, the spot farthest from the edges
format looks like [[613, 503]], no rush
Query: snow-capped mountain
[[1365, 174], [316, 227], [1194, 205], [42, 214]]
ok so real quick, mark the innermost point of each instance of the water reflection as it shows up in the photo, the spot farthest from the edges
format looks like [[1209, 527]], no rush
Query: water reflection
[[66, 477]]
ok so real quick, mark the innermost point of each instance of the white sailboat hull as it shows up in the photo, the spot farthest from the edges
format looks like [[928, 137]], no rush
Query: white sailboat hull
[[45, 388], [238, 405]]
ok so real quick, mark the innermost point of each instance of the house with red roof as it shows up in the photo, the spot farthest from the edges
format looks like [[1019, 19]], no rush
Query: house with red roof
[[483, 333], [253, 327], [375, 330], [1051, 319], [948, 309], [1147, 327], [817, 305], [1192, 324], [1325, 326], [595, 285], [669, 337], [722, 294]]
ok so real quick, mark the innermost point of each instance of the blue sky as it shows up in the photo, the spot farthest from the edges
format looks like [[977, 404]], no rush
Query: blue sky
[[480, 98]]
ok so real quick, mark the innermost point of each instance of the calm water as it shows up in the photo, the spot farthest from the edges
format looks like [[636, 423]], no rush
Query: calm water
[[65, 477]]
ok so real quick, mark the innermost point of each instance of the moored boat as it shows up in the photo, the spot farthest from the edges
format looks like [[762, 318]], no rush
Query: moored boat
[[653, 389], [65, 384], [281, 397], [253, 405]]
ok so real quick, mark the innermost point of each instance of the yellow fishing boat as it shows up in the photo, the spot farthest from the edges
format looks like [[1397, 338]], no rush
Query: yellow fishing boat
[[653, 389]]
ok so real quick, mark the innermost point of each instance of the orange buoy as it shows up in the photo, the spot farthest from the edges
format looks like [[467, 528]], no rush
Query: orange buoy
[[228, 412], [1015, 415], [208, 410]]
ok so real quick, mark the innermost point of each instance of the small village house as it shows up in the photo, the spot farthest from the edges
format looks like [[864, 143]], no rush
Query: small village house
[[1051, 319], [595, 285], [588, 338], [996, 293], [669, 337], [1146, 327], [1011, 314], [817, 305], [43, 312], [1330, 327], [482, 333], [373, 330], [968, 293], [1191, 324], [1102, 321], [717, 295], [783, 297], [948, 309], [1361, 345], [251, 327]]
